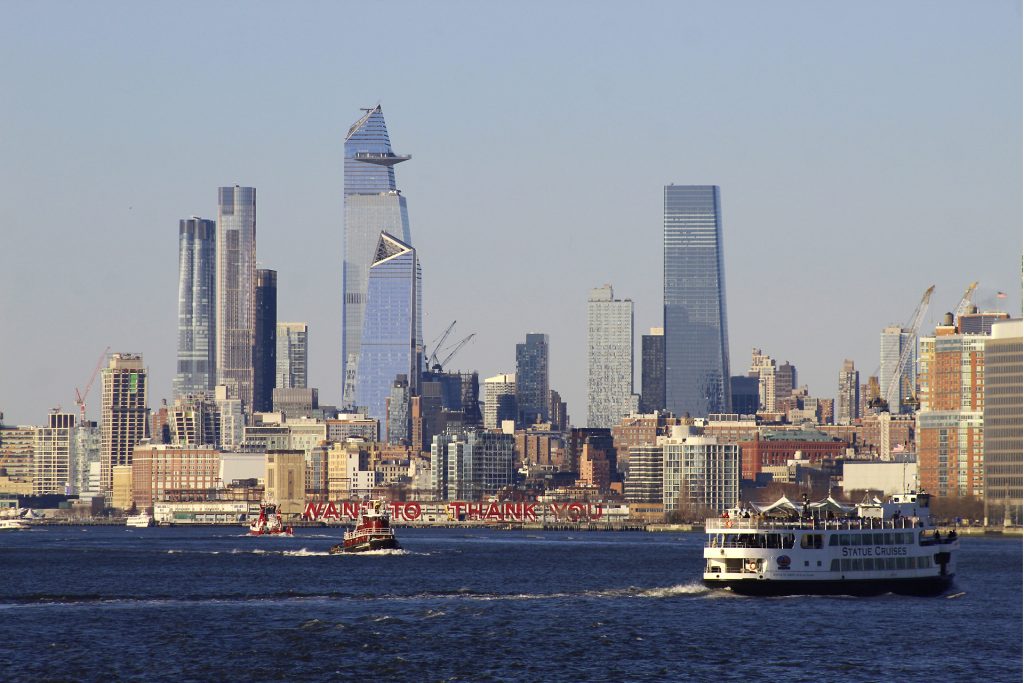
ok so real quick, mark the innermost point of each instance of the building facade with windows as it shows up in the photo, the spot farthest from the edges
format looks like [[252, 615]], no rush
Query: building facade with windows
[[373, 204], [236, 291], [392, 341], [125, 414], [197, 279], [292, 356], [533, 391], [695, 321], [609, 358]]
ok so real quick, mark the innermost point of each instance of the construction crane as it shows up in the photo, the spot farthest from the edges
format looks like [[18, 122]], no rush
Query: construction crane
[[892, 396], [80, 396], [432, 360], [439, 366], [965, 303]]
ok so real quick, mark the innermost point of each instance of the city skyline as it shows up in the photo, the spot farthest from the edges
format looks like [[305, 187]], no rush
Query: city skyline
[[897, 176]]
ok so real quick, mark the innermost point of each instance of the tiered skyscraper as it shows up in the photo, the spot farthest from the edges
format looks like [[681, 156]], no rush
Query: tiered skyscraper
[[197, 277], [373, 205], [392, 340], [236, 305], [609, 358], [696, 334]]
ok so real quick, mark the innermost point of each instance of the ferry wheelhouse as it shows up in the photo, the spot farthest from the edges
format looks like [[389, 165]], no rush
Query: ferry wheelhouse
[[826, 547]]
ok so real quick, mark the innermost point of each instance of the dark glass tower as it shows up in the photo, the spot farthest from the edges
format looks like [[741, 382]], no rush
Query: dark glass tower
[[373, 205], [197, 270], [696, 336], [652, 370], [532, 389], [392, 342], [264, 352]]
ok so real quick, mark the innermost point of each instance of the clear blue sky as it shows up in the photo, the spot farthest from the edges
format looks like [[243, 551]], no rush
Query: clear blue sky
[[864, 150]]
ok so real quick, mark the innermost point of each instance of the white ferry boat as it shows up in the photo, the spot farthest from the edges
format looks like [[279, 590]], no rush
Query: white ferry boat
[[141, 520], [12, 524], [829, 548]]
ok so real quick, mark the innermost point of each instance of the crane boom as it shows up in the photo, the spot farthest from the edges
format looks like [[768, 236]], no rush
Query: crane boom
[[80, 396], [432, 359], [915, 325], [458, 346], [965, 302]]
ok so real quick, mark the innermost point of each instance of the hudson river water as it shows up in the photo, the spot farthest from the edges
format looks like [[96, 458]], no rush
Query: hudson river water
[[210, 604]]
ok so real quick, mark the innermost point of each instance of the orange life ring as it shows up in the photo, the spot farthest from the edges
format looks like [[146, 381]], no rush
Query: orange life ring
[[728, 524]]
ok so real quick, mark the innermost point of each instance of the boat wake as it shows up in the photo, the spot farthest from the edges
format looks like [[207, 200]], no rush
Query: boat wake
[[128, 601]]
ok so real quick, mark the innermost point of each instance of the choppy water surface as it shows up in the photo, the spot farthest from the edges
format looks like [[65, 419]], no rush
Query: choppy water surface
[[211, 604]]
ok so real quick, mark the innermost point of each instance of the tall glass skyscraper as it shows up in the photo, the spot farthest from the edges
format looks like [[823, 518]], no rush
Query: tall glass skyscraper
[[533, 392], [197, 267], [264, 350], [696, 335], [373, 205], [236, 291], [392, 342]]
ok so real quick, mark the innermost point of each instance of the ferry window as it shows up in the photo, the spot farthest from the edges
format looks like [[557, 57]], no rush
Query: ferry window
[[855, 539], [835, 566], [844, 539], [858, 564], [846, 565], [788, 540], [833, 540], [879, 539], [888, 538], [890, 563]]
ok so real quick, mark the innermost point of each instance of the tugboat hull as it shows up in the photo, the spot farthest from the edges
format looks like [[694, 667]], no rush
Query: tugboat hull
[[365, 546]]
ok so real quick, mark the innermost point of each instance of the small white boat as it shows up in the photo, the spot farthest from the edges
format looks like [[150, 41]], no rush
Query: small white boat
[[140, 521], [12, 524]]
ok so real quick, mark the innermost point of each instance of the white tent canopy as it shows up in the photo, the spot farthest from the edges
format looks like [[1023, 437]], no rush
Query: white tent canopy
[[784, 504]]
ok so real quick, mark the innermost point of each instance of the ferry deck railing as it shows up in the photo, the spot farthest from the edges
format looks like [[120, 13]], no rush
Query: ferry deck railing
[[845, 524]]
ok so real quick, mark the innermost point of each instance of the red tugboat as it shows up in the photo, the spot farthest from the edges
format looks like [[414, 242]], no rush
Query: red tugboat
[[269, 523], [373, 532]]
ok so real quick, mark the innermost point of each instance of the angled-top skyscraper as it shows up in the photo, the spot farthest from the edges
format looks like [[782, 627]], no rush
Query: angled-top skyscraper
[[696, 335], [373, 205], [236, 291], [392, 339]]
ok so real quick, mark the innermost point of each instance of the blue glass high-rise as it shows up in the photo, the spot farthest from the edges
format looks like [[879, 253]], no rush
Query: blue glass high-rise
[[696, 335], [197, 264], [373, 205], [392, 340]]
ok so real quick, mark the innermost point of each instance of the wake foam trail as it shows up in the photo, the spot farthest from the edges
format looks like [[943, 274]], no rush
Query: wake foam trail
[[305, 553]]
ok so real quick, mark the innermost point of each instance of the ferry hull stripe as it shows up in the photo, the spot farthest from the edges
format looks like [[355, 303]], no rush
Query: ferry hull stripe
[[920, 586]]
